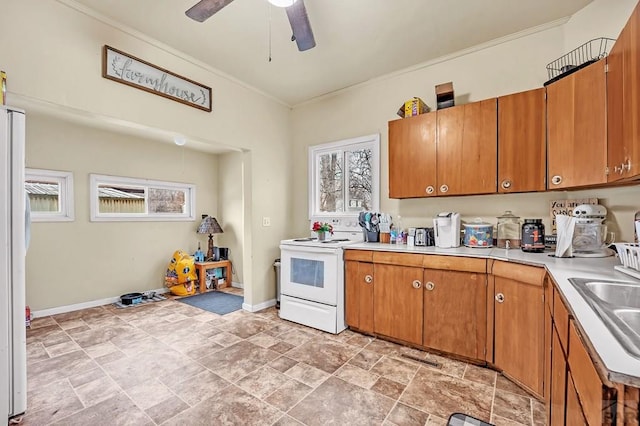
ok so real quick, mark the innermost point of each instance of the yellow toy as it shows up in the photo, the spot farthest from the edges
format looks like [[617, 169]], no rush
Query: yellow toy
[[181, 274]]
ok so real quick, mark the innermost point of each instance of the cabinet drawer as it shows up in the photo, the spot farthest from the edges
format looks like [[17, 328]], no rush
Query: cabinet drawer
[[361, 255], [533, 275], [399, 259], [455, 263]]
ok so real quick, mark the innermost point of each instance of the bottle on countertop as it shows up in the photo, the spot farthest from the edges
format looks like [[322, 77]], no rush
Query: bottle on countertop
[[636, 226], [532, 236]]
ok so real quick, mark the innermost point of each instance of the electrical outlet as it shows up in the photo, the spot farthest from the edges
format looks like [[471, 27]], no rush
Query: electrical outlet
[[266, 221]]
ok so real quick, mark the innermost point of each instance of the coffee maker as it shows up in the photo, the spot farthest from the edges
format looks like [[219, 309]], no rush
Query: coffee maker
[[446, 229]]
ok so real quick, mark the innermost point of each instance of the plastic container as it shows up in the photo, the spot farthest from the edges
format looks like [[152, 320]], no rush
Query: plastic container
[[478, 234], [508, 230], [532, 236]]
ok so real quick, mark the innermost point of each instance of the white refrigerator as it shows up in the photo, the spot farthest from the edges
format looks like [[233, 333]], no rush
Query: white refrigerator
[[14, 224]]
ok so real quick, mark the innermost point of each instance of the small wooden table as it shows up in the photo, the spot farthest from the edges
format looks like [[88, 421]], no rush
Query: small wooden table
[[202, 267]]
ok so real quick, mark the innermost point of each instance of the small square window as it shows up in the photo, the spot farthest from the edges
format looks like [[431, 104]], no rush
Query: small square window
[[50, 195]]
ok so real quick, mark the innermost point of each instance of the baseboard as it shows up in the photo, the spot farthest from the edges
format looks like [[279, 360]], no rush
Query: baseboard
[[259, 306], [84, 305], [237, 285]]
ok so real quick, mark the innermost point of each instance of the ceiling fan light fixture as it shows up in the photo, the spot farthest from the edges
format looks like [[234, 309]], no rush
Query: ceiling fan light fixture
[[282, 3]]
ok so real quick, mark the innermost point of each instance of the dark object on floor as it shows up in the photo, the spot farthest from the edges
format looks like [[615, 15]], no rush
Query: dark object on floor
[[131, 298], [215, 301], [146, 298], [459, 419], [425, 361]]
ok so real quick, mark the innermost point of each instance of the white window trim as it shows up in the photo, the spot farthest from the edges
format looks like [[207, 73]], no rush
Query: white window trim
[[65, 196], [315, 150], [95, 180]]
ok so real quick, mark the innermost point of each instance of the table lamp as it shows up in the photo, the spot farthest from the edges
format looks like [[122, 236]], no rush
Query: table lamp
[[209, 225]]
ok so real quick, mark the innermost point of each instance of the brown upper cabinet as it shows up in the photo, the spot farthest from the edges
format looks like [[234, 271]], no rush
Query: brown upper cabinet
[[522, 142], [452, 151], [623, 103], [577, 129], [412, 156]]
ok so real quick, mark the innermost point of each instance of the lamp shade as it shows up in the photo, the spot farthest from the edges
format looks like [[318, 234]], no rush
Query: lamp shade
[[209, 225]]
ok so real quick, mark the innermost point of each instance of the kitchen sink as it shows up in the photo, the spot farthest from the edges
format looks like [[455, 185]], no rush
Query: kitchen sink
[[618, 305], [616, 293]]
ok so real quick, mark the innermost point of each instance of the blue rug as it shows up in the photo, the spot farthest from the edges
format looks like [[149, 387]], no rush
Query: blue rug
[[215, 301]]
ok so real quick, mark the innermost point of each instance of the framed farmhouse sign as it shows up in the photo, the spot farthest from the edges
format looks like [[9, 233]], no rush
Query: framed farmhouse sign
[[127, 69]]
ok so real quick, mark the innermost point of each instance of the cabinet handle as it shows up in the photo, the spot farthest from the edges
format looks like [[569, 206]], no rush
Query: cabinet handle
[[625, 167], [556, 180], [429, 286], [416, 284], [506, 184], [368, 279], [430, 189], [500, 297], [444, 188]]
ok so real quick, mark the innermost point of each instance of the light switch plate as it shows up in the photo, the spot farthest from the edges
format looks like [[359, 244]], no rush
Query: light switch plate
[[266, 221]]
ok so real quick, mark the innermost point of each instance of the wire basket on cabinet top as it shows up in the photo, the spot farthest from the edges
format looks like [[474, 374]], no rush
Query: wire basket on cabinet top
[[578, 58]]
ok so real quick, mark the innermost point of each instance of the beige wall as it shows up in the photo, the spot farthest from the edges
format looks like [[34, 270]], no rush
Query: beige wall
[[58, 68], [502, 68], [81, 261]]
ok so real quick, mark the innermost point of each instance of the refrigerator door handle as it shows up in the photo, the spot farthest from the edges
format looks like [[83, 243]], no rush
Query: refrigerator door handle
[[27, 221]]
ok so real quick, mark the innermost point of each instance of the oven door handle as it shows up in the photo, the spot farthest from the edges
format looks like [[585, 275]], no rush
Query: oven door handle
[[305, 249]]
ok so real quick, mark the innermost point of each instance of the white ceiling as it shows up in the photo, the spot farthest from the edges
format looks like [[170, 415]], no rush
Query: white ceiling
[[357, 40]]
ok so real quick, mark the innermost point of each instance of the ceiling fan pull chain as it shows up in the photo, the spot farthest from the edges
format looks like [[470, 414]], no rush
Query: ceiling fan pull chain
[[269, 7]]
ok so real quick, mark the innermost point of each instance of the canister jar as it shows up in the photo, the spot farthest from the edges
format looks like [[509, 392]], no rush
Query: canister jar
[[533, 236], [508, 230]]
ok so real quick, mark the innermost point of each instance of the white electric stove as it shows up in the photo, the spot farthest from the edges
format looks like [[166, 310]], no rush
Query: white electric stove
[[312, 277]]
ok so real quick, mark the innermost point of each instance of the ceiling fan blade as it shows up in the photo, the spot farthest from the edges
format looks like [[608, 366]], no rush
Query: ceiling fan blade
[[300, 26], [204, 9]]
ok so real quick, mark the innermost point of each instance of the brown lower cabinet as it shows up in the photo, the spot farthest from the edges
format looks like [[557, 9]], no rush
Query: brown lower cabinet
[[518, 348], [515, 312], [397, 302]]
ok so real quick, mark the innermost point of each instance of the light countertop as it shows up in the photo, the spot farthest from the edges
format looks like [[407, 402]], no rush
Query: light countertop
[[620, 365]]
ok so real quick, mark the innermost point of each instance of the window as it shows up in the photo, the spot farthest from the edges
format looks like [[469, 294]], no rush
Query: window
[[119, 198], [344, 177], [50, 195]]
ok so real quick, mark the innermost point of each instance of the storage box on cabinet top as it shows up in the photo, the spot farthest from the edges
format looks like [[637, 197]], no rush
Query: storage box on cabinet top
[[412, 107]]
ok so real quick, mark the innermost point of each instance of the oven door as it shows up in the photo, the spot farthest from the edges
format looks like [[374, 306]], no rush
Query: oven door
[[311, 273]]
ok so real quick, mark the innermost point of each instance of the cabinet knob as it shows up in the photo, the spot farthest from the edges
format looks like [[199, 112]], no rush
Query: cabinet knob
[[368, 279], [417, 284], [444, 188], [506, 184], [500, 297], [556, 180], [430, 189], [429, 286]]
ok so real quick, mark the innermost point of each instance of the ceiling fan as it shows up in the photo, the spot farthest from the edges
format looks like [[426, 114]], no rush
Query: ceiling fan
[[296, 12]]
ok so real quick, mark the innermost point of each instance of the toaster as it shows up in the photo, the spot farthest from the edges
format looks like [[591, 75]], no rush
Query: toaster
[[424, 237]]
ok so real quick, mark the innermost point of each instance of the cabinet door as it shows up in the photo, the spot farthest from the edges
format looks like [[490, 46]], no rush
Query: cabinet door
[[522, 142], [576, 125], [455, 312], [397, 302], [519, 332], [558, 382], [574, 410], [623, 102], [467, 149], [412, 156], [359, 295]]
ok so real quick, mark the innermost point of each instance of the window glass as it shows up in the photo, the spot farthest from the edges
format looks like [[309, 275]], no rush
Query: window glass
[[120, 198], [344, 177], [50, 195]]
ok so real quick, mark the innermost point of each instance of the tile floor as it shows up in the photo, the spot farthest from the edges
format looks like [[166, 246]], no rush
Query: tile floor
[[172, 364]]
